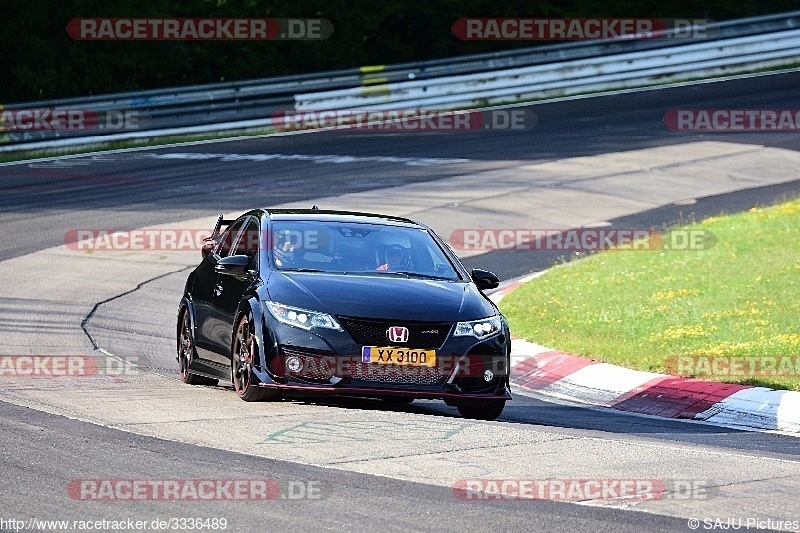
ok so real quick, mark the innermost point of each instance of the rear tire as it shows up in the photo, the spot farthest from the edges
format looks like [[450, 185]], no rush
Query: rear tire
[[486, 410], [187, 354], [245, 352]]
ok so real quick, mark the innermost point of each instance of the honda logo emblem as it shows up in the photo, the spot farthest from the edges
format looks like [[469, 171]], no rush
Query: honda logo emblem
[[397, 334]]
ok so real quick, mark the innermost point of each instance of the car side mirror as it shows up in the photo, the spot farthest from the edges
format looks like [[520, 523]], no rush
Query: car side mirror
[[233, 265], [484, 279]]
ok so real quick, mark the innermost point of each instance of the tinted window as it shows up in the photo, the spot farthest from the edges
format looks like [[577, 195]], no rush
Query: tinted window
[[226, 240], [248, 240]]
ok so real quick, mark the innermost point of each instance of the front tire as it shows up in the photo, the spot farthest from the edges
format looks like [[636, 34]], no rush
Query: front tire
[[486, 410], [187, 354], [243, 356]]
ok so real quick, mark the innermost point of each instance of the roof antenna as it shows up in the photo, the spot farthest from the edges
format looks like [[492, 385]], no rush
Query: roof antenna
[[315, 207]]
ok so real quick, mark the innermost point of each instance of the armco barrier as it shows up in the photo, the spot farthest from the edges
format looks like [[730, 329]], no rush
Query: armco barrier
[[569, 77]]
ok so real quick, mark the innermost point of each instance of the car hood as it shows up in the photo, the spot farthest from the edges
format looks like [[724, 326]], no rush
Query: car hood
[[381, 297]]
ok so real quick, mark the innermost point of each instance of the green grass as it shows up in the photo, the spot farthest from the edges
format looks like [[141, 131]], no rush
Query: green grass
[[641, 309]]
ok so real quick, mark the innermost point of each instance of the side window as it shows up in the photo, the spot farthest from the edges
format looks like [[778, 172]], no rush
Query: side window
[[248, 240], [226, 240]]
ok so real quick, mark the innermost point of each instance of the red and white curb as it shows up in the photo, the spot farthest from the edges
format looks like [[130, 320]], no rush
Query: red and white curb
[[560, 375]]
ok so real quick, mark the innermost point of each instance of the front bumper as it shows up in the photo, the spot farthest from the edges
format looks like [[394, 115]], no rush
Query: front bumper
[[451, 398], [330, 363]]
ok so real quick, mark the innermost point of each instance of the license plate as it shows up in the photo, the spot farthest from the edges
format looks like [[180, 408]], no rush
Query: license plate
[[398, 356]]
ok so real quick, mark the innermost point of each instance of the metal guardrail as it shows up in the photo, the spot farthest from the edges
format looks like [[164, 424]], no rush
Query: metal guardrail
[[569, 77], [468, 81]]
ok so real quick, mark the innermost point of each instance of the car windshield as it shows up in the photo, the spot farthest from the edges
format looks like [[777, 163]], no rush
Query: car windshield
[[358, 248]]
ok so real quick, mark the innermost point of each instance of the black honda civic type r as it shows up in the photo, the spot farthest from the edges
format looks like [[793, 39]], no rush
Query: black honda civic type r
[[312, 302]]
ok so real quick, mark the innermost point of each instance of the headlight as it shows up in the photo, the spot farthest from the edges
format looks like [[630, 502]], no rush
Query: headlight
[[480, 329], [302, 318]]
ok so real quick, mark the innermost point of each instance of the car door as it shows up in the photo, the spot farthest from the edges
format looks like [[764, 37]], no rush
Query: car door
[[208, 324], [229, 289]]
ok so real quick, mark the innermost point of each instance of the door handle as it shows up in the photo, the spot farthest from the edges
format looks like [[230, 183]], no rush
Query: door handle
[[218, 289]]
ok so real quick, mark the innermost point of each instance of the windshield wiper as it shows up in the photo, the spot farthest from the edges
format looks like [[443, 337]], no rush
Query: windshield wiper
[[418, 275], [313, 270]]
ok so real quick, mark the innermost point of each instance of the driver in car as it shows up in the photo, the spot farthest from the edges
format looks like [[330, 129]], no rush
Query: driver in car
[[283, 250], [395, 257]]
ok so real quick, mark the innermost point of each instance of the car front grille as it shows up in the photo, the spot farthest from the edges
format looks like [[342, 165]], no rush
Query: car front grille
[[322, 366], [406, 375], [428, 335]]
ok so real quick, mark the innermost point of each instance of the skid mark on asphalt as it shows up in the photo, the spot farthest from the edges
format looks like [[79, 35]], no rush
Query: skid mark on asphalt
[[88, 317]]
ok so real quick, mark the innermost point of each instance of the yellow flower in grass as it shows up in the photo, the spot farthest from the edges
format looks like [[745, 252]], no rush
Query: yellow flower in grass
[[789, 208], [792, 339], [679, 332], [727, 313], [725, 348], [669, 295]]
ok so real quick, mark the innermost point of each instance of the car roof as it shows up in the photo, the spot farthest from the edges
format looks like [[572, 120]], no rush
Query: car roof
[[323, 215]]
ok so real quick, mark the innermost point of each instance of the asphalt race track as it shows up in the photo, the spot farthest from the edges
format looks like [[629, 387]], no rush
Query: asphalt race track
[[376, 466], [76, 193]]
